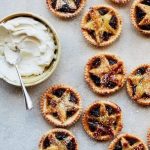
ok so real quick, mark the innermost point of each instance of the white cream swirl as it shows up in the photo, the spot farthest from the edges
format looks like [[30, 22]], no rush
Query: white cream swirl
[[30, 40]]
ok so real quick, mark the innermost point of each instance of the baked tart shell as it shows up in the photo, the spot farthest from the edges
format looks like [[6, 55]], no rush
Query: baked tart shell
[[96, 89], [55, 131], [113, 38], [53, 121], [141, 102], [66, 15]]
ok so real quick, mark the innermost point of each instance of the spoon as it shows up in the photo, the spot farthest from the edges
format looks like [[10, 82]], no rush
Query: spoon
[[13, 58]]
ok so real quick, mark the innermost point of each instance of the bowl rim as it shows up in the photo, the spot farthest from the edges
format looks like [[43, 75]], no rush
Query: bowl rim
[[46, 22]]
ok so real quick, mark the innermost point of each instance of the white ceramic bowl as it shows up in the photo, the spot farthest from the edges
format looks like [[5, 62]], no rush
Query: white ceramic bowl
[[34, 80]]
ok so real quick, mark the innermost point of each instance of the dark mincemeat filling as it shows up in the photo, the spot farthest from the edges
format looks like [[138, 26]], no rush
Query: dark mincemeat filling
[[73, 98], [141, 71], [111, 61], [93, 124], [103, 11], [106, 36], [59, 92], [61, 136], [96, 80], [65, 8], [118, 146], [113, 22], [71, 145], [95, 111], [70, 113], [46, 143], [96, 63]]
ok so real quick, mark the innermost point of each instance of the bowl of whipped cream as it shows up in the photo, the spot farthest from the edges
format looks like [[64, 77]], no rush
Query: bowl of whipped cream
[[33, 40]]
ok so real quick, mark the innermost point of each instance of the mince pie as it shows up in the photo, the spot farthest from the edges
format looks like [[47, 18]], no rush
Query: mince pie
[[140, 15], [101, 25], [61, 105], [138, 85], [105, 73], [65, 8], [148, 138], [127, 142], [102, 120], [58, 139]]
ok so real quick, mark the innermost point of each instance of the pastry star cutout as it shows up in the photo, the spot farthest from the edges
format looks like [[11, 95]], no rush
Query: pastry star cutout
[[70, 3], [146, 19], [99, 24], [142, 84], [106, 121], [107, 72], [61, 105]]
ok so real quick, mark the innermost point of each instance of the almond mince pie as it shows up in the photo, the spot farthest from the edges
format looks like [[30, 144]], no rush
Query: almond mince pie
[[140, 15], [65, 8], [102, 25], [61, 105], [58, 139], [105, 73], [148, 138], [138, 85], [102, 120], [127, 142]]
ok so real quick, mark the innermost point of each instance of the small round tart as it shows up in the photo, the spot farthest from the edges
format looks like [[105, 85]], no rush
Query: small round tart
[[102, 120], [65, 8], [127, 142], [138, 85], [61, 105], [140, 15], [58, 139], [148, 138], [105, 73], [102, 25]]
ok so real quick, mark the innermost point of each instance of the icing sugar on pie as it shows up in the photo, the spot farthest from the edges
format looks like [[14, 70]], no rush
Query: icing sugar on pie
[[138, 85], [61, 105], [101, 25], [105, 73], [102, 120]]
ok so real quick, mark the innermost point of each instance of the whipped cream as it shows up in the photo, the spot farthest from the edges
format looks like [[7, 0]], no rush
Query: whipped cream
[[28, 40]]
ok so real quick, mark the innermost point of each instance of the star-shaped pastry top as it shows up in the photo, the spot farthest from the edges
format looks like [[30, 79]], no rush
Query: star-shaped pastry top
[[105, 121], [60, 105], [106, 72], [99, 24], [146, 10], [142, 84], [70, 3]]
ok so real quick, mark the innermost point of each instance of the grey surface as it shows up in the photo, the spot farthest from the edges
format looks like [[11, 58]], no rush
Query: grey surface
[[21, 130]]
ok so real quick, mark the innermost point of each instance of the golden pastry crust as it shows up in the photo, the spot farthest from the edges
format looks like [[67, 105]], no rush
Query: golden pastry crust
[[61, 105], [138, 85], [120, 2], [127, 142], [101, 26], [73, 10], [105, 73], [102, 120], [140, 16], [58, 139], [148, 138]]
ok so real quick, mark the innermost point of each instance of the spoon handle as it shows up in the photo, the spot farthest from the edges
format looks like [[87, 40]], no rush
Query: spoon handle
[[28, 101]]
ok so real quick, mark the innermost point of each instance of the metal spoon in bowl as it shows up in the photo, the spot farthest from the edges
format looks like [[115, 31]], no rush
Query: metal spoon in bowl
[[13, 58]]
